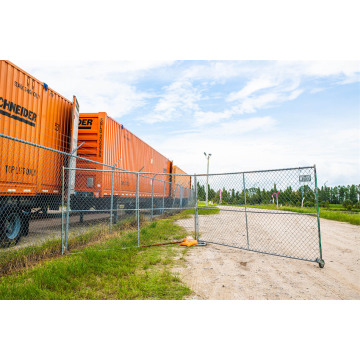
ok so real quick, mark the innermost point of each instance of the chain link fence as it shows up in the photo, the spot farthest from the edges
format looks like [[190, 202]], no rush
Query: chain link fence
[[30, 201], [112, 198], [273, 212]]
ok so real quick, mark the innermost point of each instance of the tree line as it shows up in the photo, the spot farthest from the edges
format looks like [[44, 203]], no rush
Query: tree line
[[304, 196]]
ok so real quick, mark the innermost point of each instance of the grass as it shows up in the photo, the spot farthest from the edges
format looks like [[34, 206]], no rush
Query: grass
[[202, 210], [329, 214], [101, 264], [17, 258], [205, 210], [340, 207], [106, 270]]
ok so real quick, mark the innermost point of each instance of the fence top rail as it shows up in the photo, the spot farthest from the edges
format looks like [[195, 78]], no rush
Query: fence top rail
[[117, 170], [256, 171], [124, 172]]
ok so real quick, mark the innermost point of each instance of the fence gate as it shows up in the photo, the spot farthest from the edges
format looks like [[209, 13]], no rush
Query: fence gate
[[272, 212]]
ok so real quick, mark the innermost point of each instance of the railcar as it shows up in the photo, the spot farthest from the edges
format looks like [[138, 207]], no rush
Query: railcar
[[30, 176], [106, 141], [181, 186]]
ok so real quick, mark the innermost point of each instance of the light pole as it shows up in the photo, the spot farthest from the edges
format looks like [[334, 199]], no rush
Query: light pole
[[207, 176]]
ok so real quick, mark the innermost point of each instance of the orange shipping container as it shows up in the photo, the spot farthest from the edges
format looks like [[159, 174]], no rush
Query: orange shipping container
[[31, 111], [107, 141], [183, 181]]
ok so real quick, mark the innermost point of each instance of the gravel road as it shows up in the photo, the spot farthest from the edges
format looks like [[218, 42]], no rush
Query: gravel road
[[219, 272]]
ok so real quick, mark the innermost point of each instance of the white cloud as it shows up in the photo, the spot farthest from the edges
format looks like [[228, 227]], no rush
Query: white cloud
[[247, 105], [294, 94], [269, 84], [210, 117], [251, 104], [258, 143], [100, 86], [235, 128], [179, 97], [251, 87], [324, 68]]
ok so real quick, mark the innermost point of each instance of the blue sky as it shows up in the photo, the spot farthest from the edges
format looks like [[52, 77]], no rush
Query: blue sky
[[249, 114]]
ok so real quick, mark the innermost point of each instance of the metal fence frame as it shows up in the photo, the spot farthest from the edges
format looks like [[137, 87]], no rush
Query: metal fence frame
[[138, 209], [318, 260], [113, 169]]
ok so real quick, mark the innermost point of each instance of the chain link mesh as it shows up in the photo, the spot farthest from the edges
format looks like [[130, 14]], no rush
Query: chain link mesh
[[273, 212], [115, 198]]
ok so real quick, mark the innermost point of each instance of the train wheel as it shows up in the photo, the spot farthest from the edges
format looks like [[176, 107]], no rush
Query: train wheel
[[11, 228]]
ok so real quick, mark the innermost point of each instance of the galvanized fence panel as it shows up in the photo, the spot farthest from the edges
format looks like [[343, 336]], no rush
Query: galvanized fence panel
[[273, 212], [34, 192], [114, 198], [30, 201]]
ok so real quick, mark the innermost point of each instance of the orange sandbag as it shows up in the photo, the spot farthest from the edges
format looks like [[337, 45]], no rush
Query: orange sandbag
[[189, 241]]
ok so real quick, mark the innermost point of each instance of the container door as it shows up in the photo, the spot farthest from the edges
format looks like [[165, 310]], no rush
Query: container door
[[56, 123], [20, 112]]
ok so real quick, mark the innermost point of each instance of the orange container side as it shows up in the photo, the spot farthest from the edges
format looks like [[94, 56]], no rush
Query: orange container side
[[31, 112], [91, 139], [107, 141], [184, 181]]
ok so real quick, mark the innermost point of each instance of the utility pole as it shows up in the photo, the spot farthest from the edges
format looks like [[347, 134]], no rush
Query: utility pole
[[207, 176]]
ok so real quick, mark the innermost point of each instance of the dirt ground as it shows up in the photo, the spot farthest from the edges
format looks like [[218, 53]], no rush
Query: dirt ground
[[223, 273]]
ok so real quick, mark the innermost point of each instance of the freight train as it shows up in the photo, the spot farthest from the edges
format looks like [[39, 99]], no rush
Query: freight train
[[102, 139], [31, 175]]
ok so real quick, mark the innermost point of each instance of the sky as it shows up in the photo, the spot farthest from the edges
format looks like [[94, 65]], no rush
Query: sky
[[250, 115]]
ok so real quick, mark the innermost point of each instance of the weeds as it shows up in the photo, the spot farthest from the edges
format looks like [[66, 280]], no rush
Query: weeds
[[17, 258], [114, 273], [109, 265]]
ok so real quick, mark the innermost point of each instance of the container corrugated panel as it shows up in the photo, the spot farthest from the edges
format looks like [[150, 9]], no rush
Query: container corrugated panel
[[90, 136], [111, 141], [30, 112], [184, 181]]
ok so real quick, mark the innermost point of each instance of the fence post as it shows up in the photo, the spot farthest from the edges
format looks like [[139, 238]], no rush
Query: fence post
[[62, 211], [112, 194], [138, 207], [152, 198], [320, 260], [173, 204], [181, 196], [68, 210], [196, 212], [71, 172], [246, 220], [163, 204]]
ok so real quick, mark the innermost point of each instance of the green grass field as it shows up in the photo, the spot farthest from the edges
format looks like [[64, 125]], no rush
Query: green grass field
[[104, 270], [329, 214]]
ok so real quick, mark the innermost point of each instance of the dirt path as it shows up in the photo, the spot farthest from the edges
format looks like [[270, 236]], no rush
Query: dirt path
[[219, 272]]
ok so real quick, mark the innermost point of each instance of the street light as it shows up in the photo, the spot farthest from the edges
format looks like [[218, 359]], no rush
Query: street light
[[207, 176]]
